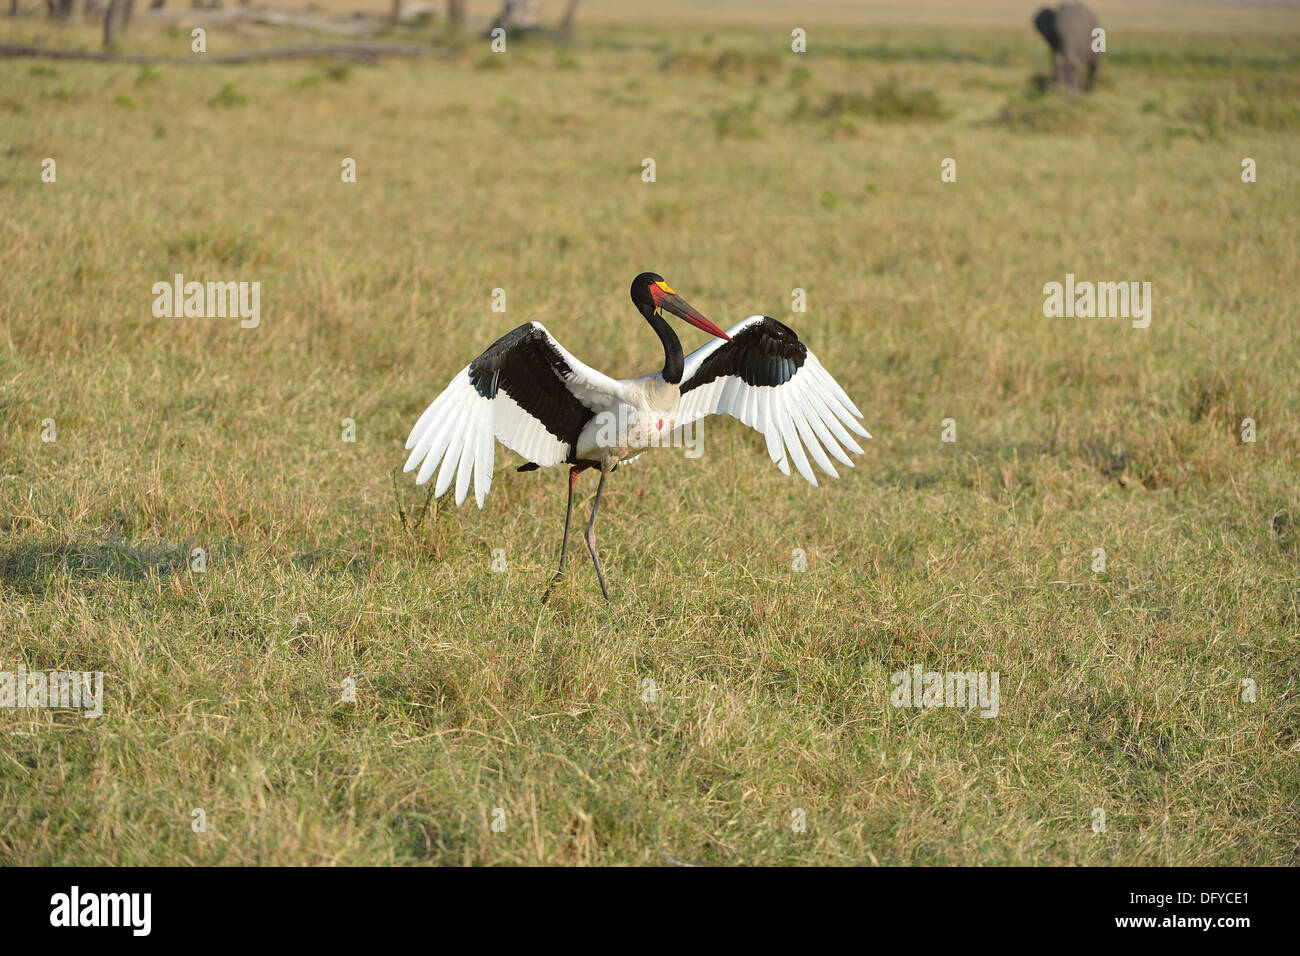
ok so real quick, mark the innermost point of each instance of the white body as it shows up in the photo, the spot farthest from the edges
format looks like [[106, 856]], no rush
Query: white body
[[640, 415]]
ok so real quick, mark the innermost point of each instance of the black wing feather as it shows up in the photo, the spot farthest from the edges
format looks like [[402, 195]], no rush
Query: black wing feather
[[527, 367], [765, 353]]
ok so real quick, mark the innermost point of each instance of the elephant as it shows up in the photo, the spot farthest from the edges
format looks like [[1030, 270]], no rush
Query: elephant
[[1068, 31]]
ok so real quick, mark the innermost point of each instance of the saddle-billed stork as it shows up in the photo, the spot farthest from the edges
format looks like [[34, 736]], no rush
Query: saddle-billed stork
[[539, 401]]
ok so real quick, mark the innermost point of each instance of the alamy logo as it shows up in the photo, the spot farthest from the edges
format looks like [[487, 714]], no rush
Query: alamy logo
[[1101, 300], [970, 689], [212, 300], [103, 909], [70, 690], [628, 427]]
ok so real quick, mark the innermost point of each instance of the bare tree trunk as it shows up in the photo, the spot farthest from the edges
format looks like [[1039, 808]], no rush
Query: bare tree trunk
[[397, 11], [518, 15], [456, 14], [117, 17], [566, 23], [111, 16]]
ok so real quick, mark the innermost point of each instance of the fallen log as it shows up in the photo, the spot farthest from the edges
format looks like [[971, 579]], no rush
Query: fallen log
[[363, 52]]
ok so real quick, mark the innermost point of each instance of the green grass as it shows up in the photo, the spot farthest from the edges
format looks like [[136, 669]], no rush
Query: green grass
[[1119, 690], [887, 101]]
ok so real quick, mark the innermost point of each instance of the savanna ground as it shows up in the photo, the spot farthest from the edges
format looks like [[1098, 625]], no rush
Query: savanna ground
[[1120, 690]]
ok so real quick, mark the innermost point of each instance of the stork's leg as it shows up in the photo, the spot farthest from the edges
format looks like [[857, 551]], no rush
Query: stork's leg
[[574, 472], [591, 537]]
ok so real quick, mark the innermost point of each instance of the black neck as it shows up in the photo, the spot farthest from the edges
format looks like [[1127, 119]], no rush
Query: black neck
[[673, 364]]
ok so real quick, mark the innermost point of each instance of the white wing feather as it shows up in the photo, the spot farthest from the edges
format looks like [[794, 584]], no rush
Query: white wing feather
[[809, 411], [458, 428]]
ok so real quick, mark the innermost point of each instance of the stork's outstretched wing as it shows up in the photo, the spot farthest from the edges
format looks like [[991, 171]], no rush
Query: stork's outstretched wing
[[525, 390], [768, 379]]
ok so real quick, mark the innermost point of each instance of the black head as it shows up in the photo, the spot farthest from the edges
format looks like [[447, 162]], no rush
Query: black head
[[650, 293], [642, 297]]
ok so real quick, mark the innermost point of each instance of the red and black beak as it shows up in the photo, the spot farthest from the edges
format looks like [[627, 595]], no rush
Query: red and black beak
[[666, 298]]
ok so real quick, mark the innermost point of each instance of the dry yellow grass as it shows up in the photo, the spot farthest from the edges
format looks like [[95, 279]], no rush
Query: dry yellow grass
[[1120, 691]]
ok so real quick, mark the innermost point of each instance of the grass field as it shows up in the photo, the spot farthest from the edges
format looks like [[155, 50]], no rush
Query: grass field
[[1120, 690]]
